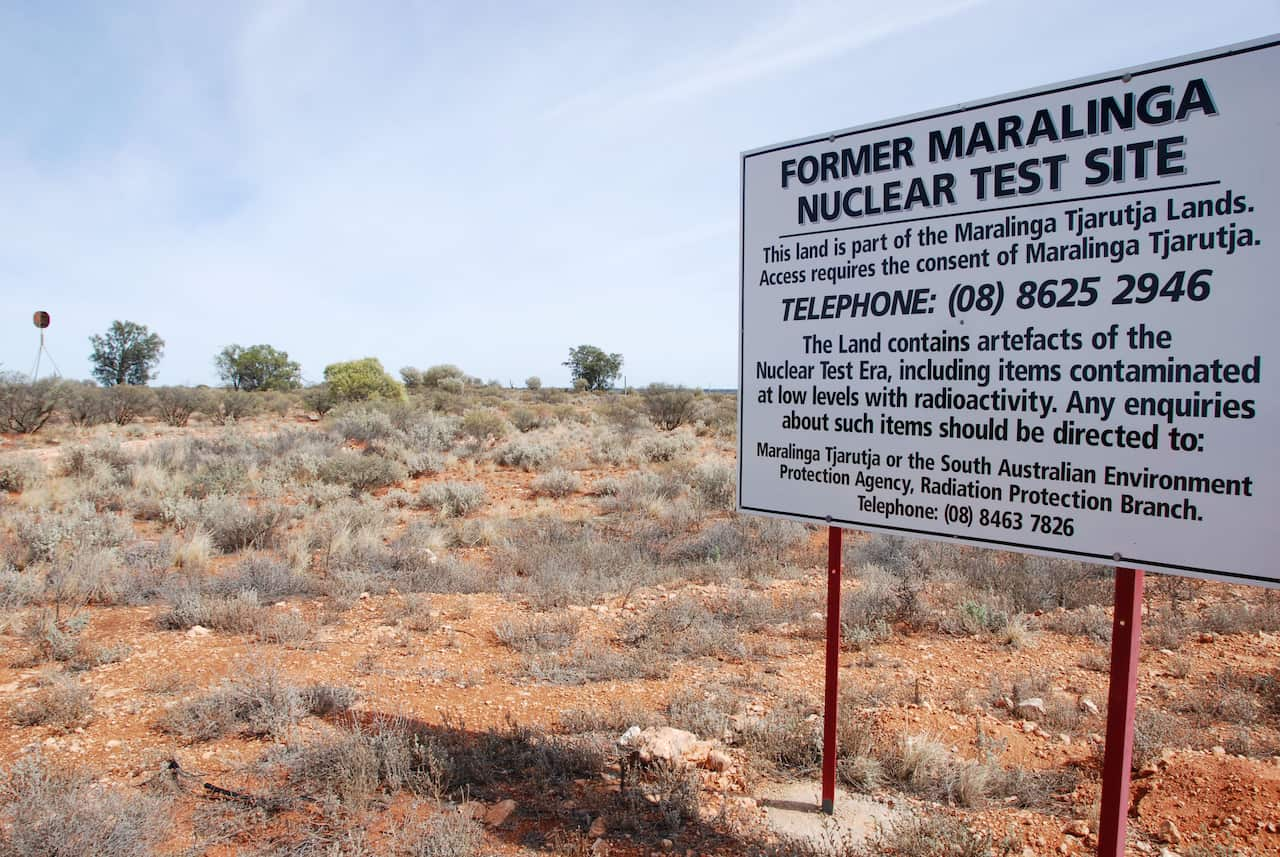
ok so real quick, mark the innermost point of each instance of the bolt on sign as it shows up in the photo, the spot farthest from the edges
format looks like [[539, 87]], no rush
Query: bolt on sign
[[1036, 322]]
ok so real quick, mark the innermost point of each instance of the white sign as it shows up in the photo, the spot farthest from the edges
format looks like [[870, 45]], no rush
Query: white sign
[[1038, 322]]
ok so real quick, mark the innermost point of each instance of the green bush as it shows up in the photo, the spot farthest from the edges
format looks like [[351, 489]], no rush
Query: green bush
[[319, 398], [669, 407], [533, 382], [484, 424], [361, 380]]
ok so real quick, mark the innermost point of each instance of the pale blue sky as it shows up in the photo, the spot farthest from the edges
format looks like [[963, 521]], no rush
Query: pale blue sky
[[484, 184]]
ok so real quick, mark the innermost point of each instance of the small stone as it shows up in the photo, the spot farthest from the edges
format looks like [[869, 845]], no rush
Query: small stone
[[718, 760], [499, 812], [113, 743], [1035, 703], [1029, 726], [597, 828], [198, 631], [365, 596], [1219, 750], [1079, 827], [1169, 832], [1087, 704], [1207, 637], [667, 844]]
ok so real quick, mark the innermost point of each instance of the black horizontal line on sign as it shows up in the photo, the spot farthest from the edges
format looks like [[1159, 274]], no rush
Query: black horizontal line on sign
[[1107, 559], [1002, 208]]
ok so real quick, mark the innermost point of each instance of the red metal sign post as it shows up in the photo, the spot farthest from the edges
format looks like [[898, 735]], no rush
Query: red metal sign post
[[830, 710], [1126, 635]]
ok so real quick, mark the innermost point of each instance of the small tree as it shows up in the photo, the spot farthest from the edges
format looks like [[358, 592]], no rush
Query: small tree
[[533, 382], [357, 380], [669, 406], [126, 354], [593, 367], [26, 406], [258, 367]]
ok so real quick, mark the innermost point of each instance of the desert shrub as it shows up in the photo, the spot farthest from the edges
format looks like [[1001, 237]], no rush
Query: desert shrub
[[188, 607], [784, 738], [326, 700], [525, 454], [83, 461], [18, 589], [261, 705], [362, 472], [218, 476], [540, 634], [126, 403], [61, 701], [445, 376], [175, 405], [974, 616], [528, 419], [451, 833], [900, 571], [1155, 730], [234, 524], [484, 424], [84, 404], [54, 637], [1241, 617], [585, 664], [867, 612], [88, 574], [554, 564], [452, 499], [39, 536], [270, 578], [556, 483], [353, 766], [426, 430], [1091, 621], [608, 449], [193, 552], [714, 483], [44, 811], [667, 406], [720, 541], [229, 406], [283, 627], [25, 406], [936, 835], [364, 424], [681, 628], [17, 472], [665, 447], [533, 382]]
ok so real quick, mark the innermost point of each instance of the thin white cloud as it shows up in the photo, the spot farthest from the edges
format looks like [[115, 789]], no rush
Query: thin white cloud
[[807, 33]]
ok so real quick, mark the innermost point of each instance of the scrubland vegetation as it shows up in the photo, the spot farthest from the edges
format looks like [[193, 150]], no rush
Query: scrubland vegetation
[[290, 596]]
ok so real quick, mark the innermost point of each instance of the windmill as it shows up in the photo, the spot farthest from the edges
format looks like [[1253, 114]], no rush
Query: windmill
[[41, 320]]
